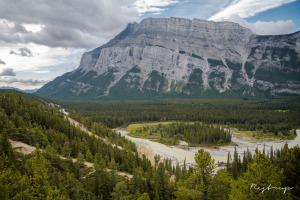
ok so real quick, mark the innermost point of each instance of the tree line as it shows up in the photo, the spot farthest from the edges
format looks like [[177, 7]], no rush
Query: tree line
[[277, 116]]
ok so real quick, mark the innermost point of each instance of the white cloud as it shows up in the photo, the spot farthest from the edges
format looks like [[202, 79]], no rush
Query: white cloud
[[247, 8], [153, 6], [33, 27], [42, 57], [41, 72], [265, 28]]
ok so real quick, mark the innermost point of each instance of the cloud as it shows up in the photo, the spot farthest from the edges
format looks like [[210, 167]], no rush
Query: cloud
[[8, 72], [26, 82], [25, 52], [22, 52], [43, 58], [265, 28], [247, 8], [13, 52], [2, 62], [153, 6], [76, 23], [42, 72]]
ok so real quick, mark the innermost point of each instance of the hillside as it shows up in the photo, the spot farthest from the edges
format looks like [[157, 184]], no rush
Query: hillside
[[57, 169]]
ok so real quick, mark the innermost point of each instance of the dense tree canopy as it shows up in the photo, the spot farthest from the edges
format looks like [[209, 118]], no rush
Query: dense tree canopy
[[193, 133], [277, 116]]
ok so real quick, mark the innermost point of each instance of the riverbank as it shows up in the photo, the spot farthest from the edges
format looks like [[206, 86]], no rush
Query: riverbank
[[241, 142], [172, 133], [171, 152]]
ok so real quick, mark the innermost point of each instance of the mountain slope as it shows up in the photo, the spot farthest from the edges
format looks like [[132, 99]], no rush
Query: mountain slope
[[181, 57]]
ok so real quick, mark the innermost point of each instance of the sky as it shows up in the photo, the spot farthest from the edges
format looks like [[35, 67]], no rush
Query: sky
[[42, 39]]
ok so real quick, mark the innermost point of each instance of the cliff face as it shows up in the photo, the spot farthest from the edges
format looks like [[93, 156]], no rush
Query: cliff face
[[187, 58]]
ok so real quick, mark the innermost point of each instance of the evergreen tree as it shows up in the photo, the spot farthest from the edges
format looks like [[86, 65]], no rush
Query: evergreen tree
[[80, 160], [6, 148], [235, 164], [260, 174], [220, 186], [66, 149], [271, 154], [196, 186], [120, 191], [145, 196], [40, 186], [161, 183], [89, 156], [228, 161]]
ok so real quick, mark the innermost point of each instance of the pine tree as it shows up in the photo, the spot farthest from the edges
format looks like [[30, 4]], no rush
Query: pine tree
[[144, 196], [204, 168], [80, 160], [89, 156], [66, 149], [260, 174], [161, 182], [235, 164], [184, 171], [228, 161], [271, 154], [40, 186], [219, 187], [6, 148]]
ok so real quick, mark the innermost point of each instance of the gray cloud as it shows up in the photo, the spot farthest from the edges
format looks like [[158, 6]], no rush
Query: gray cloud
[[13, 52], [2, 62], [8, 72], [26, 82], [76, 23], [22, 52], [25, 52]]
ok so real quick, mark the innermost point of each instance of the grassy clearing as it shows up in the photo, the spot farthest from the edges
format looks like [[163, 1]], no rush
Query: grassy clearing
[[133, 127], [135, 131], [259, 135]]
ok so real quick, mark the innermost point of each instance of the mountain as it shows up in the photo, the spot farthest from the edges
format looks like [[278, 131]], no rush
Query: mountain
[[175, 57], [13, 88]]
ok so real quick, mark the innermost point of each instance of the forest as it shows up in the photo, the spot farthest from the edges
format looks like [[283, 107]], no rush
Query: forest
[[194, 133], [276, 116], [44, 174]]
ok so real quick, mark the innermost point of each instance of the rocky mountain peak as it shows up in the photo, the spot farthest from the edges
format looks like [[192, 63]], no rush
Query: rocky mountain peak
[[183, 57]]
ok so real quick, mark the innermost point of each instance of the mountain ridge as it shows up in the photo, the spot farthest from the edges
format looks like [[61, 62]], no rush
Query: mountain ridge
[[17, 89], [161, 57]]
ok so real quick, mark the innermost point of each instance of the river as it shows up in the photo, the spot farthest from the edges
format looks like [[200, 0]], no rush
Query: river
[[219, 155]]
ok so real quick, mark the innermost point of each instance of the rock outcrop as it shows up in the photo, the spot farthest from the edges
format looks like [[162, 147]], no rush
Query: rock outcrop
[[148, 152]]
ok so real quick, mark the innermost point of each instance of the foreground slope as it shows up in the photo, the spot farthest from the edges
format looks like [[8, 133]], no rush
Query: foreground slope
[[160, 57]]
